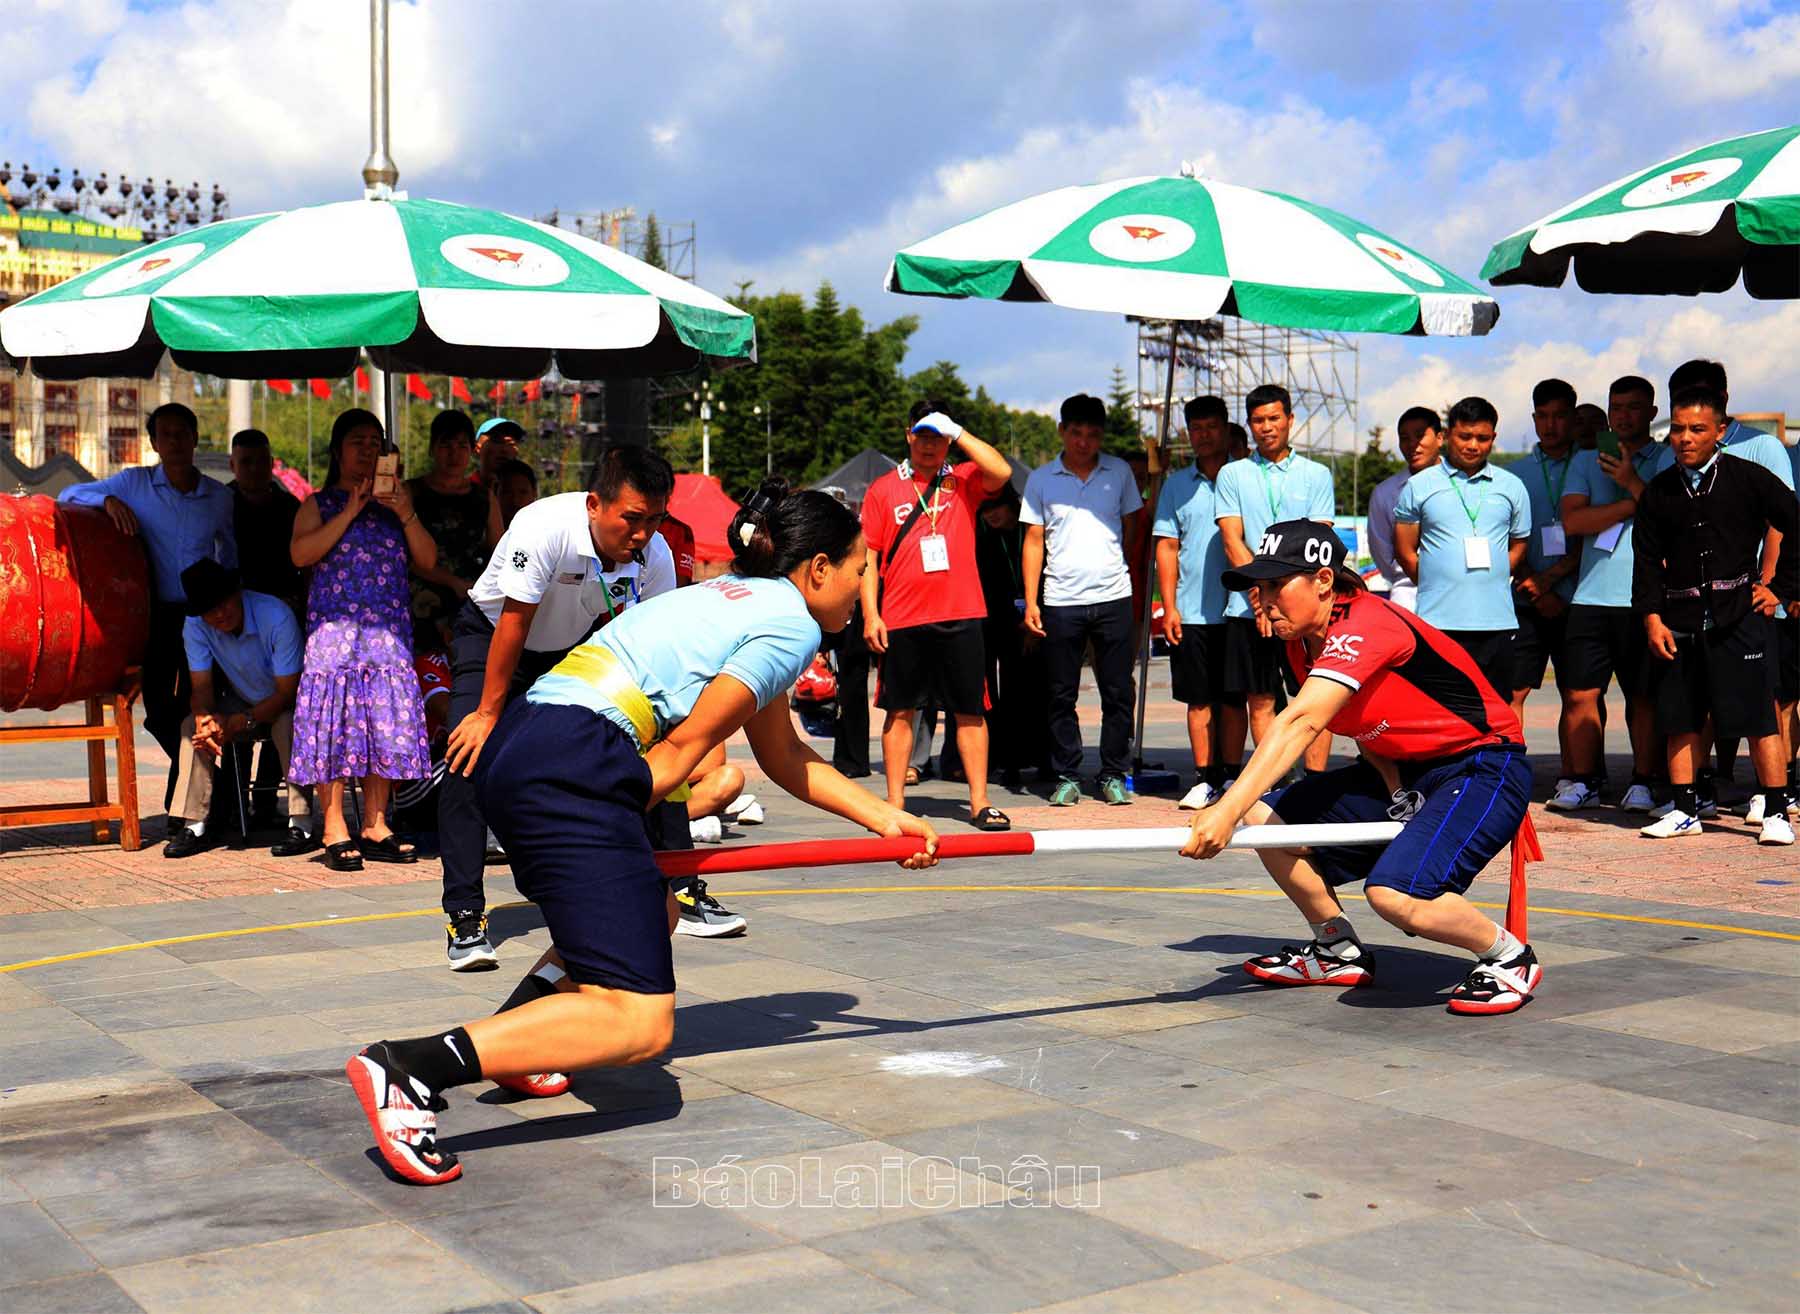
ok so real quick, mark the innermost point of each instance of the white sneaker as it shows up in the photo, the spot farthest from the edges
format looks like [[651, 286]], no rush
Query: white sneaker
[[738, 805], [750, 816], [707, 830], [1776, 830], [1200, 796], [1673, 823], [1753, 815], [1573, 794], [1638, 799]]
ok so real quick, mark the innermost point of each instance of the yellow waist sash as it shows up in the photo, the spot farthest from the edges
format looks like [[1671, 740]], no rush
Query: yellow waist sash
[[601, 668]]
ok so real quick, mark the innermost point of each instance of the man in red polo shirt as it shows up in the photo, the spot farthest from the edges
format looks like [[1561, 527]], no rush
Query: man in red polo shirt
[[922, 600], [1440, 750]]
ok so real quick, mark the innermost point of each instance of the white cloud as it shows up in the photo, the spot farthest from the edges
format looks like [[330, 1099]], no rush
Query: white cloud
[[1718, 50]]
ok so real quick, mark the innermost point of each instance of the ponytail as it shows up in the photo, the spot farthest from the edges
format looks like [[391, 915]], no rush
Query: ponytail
[[775, 530]]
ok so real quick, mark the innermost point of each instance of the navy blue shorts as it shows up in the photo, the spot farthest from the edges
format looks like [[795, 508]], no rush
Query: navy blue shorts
[[1473, 806], [565, 790]]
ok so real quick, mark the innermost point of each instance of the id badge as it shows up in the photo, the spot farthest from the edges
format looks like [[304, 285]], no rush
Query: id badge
[[1608, 539], [934, 554], [1555, 545], [1478, 554]]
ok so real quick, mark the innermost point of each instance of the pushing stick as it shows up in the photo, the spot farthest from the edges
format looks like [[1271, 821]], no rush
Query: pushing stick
[[1018, 843]]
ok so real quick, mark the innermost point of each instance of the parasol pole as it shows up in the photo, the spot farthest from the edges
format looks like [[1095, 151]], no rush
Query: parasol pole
[[379, 171], [1159, 461]]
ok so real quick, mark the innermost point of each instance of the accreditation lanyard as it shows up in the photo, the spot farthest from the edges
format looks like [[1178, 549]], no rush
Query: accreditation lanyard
[[1554, 489], [606, 590], [931, 509], [1269, 487], [1474, 513]]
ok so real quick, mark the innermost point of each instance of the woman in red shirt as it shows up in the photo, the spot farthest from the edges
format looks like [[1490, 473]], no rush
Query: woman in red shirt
[[1440, 750]]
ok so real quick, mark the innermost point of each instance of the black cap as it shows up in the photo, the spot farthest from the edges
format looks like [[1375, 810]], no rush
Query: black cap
[[1293, 547], [207, 584]]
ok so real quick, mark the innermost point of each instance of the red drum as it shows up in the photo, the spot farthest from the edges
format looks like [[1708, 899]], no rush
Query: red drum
[[74, 603]]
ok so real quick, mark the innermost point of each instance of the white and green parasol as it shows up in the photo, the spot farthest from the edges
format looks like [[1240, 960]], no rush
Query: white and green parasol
[[1692, 224], [1190, 248], [424, 285]]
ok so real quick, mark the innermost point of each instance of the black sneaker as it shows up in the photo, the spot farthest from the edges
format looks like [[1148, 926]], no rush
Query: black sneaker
[[187, 842], [703, 915], [468, 949], [1498, 987], [1305, 965], [402, 1112]]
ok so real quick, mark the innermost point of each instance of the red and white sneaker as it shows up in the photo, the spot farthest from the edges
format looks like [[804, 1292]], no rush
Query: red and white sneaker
[[539, 1085], [402, 1113], [1307, 966], [1498, 987]]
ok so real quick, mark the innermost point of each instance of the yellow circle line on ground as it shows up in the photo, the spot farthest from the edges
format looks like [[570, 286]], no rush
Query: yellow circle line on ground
[[1634, 918]]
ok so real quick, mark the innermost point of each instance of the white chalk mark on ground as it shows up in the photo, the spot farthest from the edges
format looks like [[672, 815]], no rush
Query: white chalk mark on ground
[[941, 1063]]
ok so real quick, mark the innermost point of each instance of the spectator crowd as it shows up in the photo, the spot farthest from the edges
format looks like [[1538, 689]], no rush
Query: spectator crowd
[[367, 638]]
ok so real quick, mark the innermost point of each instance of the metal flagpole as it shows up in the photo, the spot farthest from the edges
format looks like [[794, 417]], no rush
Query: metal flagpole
[[309, 433], [379, 171]]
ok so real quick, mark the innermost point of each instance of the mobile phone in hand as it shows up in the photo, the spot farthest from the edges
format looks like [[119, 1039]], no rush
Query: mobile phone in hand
[[1607, 441], [387, 469]]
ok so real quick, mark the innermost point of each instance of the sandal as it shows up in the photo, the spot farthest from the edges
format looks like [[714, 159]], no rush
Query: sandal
[[388, 850], [991, 818], [343, 856], [912, 775]]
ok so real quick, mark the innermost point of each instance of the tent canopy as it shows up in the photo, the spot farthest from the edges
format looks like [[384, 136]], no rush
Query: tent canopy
[[855, 475], [700, 502]]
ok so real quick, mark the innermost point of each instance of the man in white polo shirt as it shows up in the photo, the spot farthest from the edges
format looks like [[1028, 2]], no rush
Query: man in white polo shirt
[[565, 566], [1077, 590]]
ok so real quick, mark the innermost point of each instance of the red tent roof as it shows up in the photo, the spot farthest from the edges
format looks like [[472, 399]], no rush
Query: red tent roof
[[701, 502]]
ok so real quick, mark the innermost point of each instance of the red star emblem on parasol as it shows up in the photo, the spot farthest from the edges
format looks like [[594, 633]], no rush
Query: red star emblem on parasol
[[1142, 232], [1686, 176], [499, 254], [152, 264], [1391, 254]]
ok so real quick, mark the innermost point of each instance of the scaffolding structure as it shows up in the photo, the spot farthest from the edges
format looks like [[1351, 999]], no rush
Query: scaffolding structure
[[597, 413], [1227, 357]]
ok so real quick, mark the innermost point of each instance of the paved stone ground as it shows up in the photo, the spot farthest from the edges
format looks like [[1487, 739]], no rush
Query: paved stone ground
[[872, 1096]]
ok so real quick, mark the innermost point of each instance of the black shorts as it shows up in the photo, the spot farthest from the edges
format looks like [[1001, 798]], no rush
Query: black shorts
[[1601, 642], [1493, 653], [1787, 657], [1727, 672], [942, 666], [565, 790], [1537, 643], [1197, 666], [1253, 664]]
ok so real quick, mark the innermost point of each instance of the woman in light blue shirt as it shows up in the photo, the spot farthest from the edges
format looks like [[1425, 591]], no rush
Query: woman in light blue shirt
[[566, 778]]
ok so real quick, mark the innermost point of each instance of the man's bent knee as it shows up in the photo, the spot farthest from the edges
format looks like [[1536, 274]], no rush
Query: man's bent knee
[[1401, 910]]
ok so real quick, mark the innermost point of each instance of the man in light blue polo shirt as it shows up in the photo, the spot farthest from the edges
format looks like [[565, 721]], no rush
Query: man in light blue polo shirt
[[1545, 583], [180, 516], [253, 640], [1604, 637], [1460, 530], [1190, 559], [1275, 484], [1077, 590]]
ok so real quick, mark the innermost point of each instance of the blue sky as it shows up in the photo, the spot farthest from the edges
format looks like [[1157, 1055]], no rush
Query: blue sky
[[809, 140]]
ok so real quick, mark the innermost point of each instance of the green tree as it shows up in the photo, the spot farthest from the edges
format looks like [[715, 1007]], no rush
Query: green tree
[[652, 253], [1355, 480], [1124, 435]]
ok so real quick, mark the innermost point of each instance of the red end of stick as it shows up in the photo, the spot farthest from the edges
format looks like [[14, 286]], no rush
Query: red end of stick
[[834, 853], [1526, 848]]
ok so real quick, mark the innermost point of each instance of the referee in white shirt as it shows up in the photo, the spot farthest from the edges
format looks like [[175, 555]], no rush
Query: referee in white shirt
[[1075, 513], [565, 566]]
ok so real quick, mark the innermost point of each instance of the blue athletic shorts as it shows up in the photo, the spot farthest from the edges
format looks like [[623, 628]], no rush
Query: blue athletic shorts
[[565, 790], [1473, 806]]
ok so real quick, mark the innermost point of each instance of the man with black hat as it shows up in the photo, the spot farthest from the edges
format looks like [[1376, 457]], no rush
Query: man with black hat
[[1440, 750], [254, 641]]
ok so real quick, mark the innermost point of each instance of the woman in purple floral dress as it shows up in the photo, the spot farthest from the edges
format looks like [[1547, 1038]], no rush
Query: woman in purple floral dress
[[359, 713]]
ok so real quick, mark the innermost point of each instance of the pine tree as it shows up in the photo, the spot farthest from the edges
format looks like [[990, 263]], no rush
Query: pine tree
[[652, 253], [1124, 436]]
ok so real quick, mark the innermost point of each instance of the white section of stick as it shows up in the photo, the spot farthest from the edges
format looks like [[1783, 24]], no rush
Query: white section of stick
[[1170, 838]]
